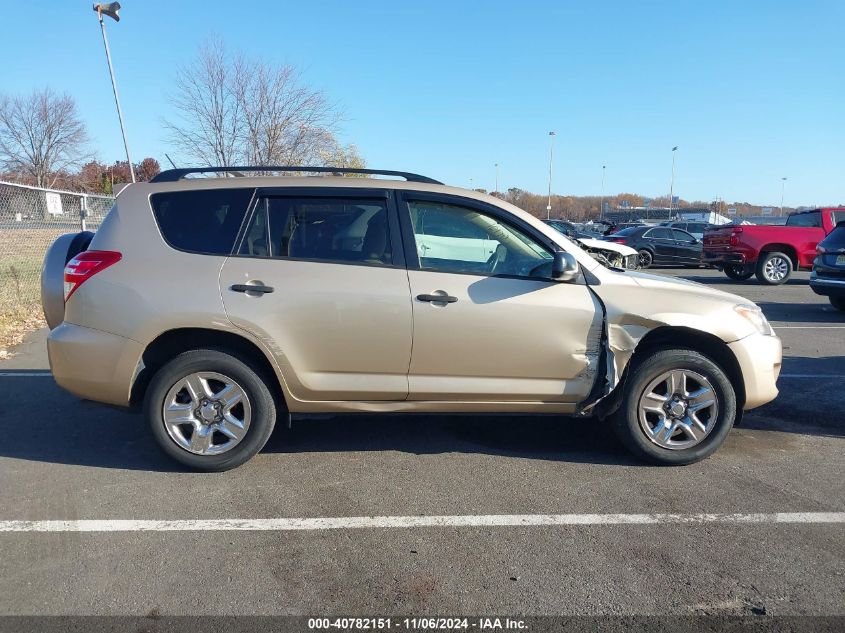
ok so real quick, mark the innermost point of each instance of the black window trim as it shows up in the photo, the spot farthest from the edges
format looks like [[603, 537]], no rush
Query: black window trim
[[238, 234], [341, 193], [404, 196]]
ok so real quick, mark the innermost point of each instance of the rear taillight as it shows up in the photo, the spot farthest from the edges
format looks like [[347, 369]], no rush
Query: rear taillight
[[734, 236], [84, 266]]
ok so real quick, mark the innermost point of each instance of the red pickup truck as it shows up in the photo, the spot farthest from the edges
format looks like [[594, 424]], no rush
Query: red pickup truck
[[770, 252]]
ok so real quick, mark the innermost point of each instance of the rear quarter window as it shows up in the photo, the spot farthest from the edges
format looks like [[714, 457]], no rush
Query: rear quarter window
[[203, 221]]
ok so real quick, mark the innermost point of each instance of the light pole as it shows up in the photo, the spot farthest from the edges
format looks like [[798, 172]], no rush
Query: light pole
[[551, 161], [496, 190], [110, 9], [672, 182], [782, 187], [601, 200]]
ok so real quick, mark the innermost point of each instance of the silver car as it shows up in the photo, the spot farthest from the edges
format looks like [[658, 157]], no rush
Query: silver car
[[220, 304]]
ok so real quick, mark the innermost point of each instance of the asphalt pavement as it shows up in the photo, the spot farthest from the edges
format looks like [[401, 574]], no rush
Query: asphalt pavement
[[65, 459]]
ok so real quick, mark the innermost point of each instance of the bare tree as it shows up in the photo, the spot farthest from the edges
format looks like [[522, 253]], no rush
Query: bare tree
[[236, 110], [41, 136]]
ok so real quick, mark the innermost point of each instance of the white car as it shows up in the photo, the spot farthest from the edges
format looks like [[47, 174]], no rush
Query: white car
[[615, 255]]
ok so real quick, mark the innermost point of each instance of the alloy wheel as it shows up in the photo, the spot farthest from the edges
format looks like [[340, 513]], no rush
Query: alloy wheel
[[678, 409], [206, 413], [776, 268]]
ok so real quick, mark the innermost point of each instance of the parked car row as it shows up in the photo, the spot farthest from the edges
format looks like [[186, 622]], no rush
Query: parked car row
[[660, 245]]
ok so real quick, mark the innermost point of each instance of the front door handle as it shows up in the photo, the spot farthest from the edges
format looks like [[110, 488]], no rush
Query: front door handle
[[256, 288], [437, 298]]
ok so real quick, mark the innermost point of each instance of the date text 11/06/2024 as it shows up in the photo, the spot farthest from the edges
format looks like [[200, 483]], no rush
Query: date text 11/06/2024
[[417, 624]]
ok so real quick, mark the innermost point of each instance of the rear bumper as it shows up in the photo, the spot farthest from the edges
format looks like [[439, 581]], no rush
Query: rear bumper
[[759, 360], [723, 257], [92, 364], [827, 287]]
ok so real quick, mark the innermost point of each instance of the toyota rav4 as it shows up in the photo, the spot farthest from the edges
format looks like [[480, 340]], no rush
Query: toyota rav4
[[219, 304]]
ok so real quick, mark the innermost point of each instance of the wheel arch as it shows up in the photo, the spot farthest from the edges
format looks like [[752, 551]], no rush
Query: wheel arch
[[778, 247], [171, 343], [671, 336]]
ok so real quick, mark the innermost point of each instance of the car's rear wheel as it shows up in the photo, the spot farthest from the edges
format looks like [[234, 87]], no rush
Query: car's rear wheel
[[774, 268], [209, 410], [838, 303], [739, 272], [645, 258], [678, 407]]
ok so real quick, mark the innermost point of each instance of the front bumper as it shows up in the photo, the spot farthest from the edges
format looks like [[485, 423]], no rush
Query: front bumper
[[759, 359], [92, 364]]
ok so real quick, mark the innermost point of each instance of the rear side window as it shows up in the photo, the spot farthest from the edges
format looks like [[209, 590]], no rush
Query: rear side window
[[203, 221], [659, 234], [809, 219], [836, 238], [321, 229]]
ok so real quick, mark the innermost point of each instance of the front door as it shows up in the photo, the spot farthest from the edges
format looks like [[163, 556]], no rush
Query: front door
[[335, 307], [664, 245], [497, 328]]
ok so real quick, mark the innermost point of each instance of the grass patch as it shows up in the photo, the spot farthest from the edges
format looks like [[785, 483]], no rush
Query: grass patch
[[21, 254]]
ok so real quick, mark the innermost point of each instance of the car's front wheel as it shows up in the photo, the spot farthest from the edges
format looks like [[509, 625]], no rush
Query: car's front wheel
[[209, 410], [645, 258], [678, 407]]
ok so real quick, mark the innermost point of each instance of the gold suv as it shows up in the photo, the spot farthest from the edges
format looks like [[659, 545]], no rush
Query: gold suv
[[220, 303]]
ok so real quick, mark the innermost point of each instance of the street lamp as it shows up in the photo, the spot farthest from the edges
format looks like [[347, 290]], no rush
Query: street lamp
[[551, 160], [672, 182], [496, 190], [110, 9], [601, 200], [782, 187]]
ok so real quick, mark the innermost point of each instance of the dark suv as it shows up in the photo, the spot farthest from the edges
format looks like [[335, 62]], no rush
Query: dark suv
[[828, 276]]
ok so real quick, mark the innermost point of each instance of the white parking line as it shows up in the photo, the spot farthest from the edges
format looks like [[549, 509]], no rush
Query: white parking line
[[24, 374], [338, 523]]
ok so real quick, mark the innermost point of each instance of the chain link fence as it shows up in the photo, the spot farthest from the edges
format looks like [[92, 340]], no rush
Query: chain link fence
[[30, 220]]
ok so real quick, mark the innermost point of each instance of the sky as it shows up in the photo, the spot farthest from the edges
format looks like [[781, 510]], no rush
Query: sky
[[749, 91]]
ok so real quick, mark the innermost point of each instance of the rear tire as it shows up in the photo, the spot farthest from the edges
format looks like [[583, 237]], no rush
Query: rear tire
[[188, 407], [838, 303], [739, 273], [773, 268], [650, 405], [645, 258]]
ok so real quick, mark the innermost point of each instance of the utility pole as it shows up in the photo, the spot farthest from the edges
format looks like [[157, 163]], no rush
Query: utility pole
[[672, 182], [110, 9], [496, 190], [551, 162], [782, 187], [601, 199]]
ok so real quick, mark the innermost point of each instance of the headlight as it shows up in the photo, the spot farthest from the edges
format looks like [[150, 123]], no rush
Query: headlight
[[755, 316]]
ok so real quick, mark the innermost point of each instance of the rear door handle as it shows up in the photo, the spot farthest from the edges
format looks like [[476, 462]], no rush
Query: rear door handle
[[437, 298], [257, 288]]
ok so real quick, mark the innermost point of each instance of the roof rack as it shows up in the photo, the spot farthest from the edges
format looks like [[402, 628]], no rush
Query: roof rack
[[174, 175]]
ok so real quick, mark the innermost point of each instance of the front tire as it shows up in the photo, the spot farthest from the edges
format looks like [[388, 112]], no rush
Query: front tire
[[209, 410], [838, 303], [739, 273], [774, 268], [678, 407]]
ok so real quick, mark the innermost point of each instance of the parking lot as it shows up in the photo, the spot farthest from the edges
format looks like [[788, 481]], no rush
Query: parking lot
[[64, 459]]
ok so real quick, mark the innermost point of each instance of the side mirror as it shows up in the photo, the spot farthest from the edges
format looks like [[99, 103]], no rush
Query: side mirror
[[565, 266]]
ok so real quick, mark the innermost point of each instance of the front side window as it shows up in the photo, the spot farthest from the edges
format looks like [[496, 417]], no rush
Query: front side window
[[811, 219], [452, 238], [322, 229], [203, 221]]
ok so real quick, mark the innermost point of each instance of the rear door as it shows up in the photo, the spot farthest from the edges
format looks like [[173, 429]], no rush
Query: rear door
[[504, 330], [661, 240], [337, 315]]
